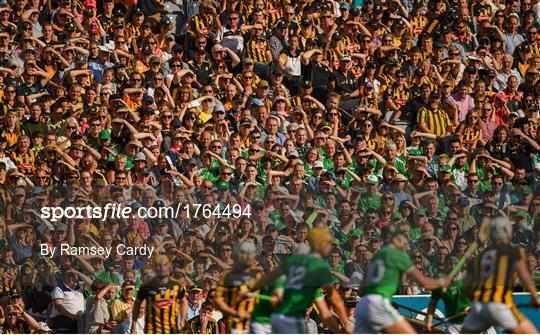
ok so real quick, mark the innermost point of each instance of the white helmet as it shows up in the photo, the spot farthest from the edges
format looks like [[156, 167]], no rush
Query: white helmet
[[244, 253], [500, 227]]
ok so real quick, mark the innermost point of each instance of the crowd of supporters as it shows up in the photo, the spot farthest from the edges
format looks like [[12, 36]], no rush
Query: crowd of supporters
[[295, 113]]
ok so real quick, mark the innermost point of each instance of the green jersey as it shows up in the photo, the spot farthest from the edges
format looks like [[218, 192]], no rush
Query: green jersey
[[384, 272], [455, 301], [304, 277], [263, 309]]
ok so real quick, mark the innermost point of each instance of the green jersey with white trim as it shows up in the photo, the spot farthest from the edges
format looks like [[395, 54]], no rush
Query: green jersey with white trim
[[305, 275], [384, 272]]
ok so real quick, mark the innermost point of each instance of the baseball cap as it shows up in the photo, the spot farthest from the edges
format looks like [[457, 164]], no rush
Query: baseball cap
[[470, 69], [463, 201], [128, 284], [271, 227], [248, 61], [526, 190], [345, 58], [318, 165], [419, 72], [245, 120], [177, 47], [292, 153], [372, 179], [345, 5], [263, 84], [155, 59], [191, 161], [399, 177], [445, 169], [279, 98], [140, 157], [19, 191], [61, 227], [307, 84], [520, 213], [420, 212], [282, 24]]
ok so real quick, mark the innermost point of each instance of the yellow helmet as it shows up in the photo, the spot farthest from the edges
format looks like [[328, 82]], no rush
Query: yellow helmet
[[318, 236]]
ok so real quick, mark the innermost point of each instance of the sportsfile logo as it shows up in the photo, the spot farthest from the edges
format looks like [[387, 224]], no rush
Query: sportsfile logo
[[117, 211]]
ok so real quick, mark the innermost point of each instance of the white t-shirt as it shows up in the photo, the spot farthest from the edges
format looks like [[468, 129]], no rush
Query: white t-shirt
[[72, 299]]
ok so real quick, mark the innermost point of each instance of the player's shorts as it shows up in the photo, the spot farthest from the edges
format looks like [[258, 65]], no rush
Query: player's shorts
[[260, 328], [282, 324], [454, 328], [486, 314], [374, 313]]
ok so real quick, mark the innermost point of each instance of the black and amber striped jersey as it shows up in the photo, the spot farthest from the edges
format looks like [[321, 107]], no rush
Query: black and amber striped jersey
[[200, 24], [232, 283], [535, 48], [193, 326], [437, 122], [418, 23], [162, 306], [273, 15], [494, 274], [8, 276], [431, 26], [351, 45], [256, 49], [132, 32], [482, 11], [25, 162], [467, 133], [246, 10], [399, 96], [11, 137], [332, 57]]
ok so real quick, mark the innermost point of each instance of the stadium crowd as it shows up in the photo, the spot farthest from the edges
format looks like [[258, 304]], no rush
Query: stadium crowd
[[297, 114]]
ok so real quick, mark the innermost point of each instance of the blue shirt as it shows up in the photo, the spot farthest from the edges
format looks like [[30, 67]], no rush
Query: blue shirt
[[512, 42], [193, 310]]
